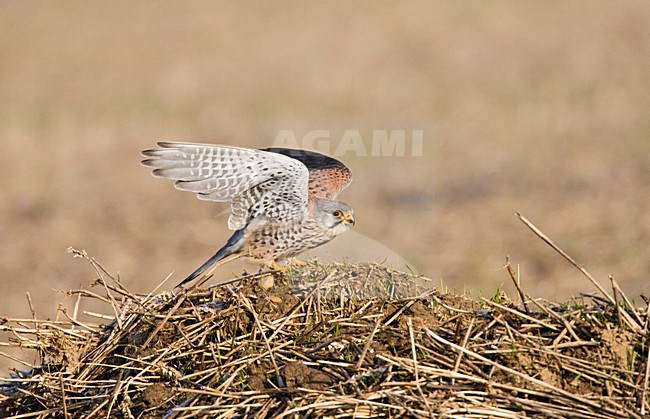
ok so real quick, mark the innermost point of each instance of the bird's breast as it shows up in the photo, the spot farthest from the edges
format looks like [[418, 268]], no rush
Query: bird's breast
[[277, 241]]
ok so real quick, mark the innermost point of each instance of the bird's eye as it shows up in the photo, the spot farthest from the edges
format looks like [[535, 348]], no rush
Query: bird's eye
[[338, 213]]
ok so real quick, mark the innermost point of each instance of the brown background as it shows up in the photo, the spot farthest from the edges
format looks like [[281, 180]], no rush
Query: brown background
[[538, 107]]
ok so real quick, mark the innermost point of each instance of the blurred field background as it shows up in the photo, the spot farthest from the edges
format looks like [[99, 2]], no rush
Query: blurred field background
[[537, 107]]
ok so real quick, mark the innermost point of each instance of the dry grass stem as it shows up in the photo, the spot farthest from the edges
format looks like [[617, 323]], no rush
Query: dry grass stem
[[327, 340]]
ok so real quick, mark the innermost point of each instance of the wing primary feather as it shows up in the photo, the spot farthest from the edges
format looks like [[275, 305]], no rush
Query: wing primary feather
[[240, 175]]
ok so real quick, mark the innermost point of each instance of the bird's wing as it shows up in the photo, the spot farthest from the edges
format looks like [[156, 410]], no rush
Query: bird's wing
[[256, 182], [327, 176]]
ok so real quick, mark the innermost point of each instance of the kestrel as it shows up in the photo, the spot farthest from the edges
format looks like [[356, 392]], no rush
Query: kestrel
[[282, 201]]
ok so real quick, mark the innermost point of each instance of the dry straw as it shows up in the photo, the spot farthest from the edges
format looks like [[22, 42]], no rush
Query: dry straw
[[333, 340]]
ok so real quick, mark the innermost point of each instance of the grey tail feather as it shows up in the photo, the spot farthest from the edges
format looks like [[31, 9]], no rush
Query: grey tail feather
[[228, 249]]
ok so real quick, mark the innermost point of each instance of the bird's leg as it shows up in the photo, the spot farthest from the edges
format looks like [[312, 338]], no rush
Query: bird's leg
[[267, 281]]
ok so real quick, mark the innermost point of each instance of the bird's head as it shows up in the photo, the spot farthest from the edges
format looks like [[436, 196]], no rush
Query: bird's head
[[334, 215]]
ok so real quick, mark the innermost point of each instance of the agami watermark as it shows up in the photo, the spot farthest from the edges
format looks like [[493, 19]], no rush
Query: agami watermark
[[382, 143]]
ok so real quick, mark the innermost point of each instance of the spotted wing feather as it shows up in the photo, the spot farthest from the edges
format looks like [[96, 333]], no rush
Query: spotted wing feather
[[327, 176], [256, 182]]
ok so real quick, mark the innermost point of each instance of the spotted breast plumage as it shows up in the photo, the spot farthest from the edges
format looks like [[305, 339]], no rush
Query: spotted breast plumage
[[282, 201]]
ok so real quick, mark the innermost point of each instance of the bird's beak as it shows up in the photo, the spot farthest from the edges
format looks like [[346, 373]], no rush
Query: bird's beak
[[349, 218]]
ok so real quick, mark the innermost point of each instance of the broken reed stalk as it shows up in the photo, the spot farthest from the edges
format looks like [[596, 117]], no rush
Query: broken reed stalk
[[629, 321], [517, 282], [548, 241]]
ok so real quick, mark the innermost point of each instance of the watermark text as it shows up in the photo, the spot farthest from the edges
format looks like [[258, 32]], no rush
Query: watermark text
[[381, 143]]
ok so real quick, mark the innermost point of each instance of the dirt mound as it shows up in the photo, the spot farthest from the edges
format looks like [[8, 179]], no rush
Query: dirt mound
[[333, 340]]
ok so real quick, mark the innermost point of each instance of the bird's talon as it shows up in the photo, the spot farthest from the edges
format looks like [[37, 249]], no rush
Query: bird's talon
[[298, 262]]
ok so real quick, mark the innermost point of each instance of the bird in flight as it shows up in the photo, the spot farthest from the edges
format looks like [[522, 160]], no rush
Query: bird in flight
[[282, 201]]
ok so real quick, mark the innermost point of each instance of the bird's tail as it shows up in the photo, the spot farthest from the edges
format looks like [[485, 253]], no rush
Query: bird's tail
[[230, 248]]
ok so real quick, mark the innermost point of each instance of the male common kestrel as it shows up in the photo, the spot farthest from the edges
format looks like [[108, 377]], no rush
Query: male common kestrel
[[281, 200]]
